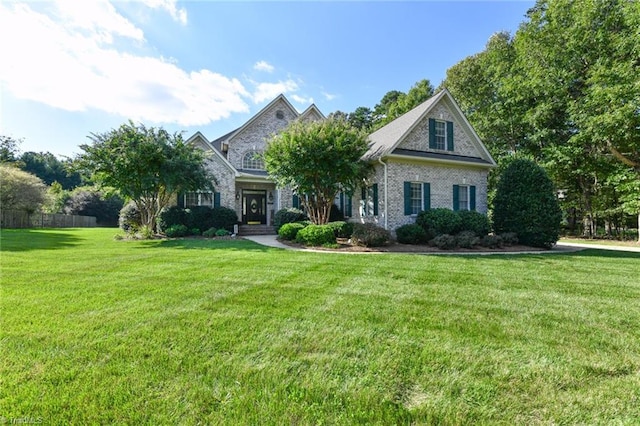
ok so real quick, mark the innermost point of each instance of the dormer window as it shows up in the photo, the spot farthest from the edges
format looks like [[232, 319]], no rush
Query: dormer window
[[252, 160]]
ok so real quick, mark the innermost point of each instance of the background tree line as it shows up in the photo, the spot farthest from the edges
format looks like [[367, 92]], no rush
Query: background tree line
[[564, 90]]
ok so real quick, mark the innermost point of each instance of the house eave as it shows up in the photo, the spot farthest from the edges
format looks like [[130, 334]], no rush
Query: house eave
[[441, 160]]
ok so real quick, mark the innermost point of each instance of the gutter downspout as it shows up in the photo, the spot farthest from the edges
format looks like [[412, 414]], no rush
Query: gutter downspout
[[386, 193]]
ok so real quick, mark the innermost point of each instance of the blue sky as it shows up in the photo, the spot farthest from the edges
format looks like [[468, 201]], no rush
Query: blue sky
[[73, 67]]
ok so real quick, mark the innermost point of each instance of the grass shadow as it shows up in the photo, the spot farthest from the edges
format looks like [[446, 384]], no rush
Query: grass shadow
[[35, 239], [599, 253], [207, 244]]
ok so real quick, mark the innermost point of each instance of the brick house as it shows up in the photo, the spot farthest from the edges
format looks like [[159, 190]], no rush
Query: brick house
[[429, 157]]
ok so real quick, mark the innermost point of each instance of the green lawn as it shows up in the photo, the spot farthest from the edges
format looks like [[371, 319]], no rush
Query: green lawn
[[98, 331]]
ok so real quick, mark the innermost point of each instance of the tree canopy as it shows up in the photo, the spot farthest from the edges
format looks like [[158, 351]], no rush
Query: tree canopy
[[20, 190], [318, 160], [146, 165], [564, 90]]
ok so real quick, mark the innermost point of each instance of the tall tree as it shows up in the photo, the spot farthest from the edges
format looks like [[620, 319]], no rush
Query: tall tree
[[361, 118], [583, 70], [145, 164], [50, 169], [9, 149], [318, 160]]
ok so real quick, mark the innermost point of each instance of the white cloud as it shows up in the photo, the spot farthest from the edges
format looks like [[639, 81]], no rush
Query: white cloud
[[263, 66], [268, 91], [179, 15], [72, 64], [329, 96], [302, 100], [98, 19]]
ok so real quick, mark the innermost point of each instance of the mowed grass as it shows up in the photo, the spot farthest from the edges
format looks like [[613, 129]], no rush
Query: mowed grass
[[98, 331]]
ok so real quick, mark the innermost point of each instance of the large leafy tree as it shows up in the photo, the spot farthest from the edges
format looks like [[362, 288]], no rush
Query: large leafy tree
[[20, 190], [318, 160], [146, 165]]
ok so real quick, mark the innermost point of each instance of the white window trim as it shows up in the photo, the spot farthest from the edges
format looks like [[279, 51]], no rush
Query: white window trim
[[446, 141], [200, 193], [421, 198], [466, 187]]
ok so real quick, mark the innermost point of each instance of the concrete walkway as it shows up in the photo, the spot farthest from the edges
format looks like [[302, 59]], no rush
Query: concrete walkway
[[600, 247], [271, 241]]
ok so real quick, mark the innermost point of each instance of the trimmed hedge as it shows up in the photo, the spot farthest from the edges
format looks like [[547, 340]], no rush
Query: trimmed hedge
[[369, 235], [289, 215], [341, 229], [439, 221], [200, 217], [475, 222], [411, 234], [289, 231], [316, 235]]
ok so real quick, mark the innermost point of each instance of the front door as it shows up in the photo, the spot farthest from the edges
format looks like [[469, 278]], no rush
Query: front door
[[254, 207]]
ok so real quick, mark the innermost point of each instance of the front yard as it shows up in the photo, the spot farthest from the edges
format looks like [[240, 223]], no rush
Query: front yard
[[97, 331]]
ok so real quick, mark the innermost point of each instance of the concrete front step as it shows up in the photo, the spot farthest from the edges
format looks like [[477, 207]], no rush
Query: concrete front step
[[256, 230]]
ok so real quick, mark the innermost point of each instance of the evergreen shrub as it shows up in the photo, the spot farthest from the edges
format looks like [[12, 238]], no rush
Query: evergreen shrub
[[289, 231], [439, 221], [411, 234], [369, 235], [289, 215], [316, 235], [526, 203], [341, 229], [475, 222], [130, 219]]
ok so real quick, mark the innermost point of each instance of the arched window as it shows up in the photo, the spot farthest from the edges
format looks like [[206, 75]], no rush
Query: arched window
[[253, 161]]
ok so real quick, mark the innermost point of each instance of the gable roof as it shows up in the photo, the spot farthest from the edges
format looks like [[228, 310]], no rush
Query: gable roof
[[313, 109], [385, 140], [198, 135], [239, 130]]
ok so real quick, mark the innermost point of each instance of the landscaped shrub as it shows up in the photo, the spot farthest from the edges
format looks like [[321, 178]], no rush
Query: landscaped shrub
[[289, 215], [341, 229], [369, 235], [411, 234], [210, 233], [195, 231], [467, 239], [173, 216], [509, 238], [200, 217], [439, 221], [474, 221], [445, 242], [316, 235], [525, 203], [224, 218], [492, 241], [289, 231], [130, 219], [222, 233], [176, 231]]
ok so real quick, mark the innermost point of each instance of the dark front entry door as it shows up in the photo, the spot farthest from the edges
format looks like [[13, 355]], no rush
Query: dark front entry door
[[254, 207]]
